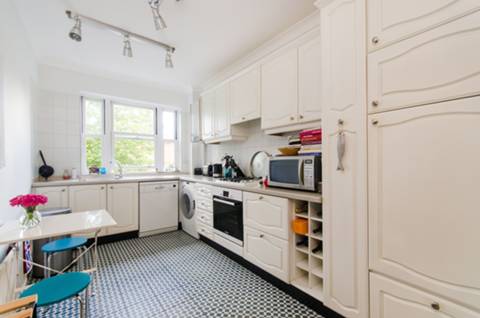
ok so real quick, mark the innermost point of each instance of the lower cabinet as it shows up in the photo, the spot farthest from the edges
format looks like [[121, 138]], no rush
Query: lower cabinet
[[267, 252], [88, 197], [57, 196], [392, 299], [122, 203]]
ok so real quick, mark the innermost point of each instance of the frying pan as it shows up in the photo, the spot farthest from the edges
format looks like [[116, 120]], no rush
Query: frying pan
[[45, 171]]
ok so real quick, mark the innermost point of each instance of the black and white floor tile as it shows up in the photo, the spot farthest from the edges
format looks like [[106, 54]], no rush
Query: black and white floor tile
[[174, 275]]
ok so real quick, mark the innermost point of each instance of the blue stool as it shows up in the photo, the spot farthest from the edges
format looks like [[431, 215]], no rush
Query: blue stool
[[58, 288], [61, 245]]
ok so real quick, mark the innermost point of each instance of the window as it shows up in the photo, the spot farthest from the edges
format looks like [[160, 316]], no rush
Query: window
[[141, 139]]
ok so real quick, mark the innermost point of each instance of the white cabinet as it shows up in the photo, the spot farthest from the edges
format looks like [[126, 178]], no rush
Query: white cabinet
[[309, 81], [393, 20], [221, 113], [280, 90], [267, 252], [88, 197], [392, 299], [437, 65], [207, 108], [423, 198], [267, 214], [245, 96], [122, 202], [57, 196], [344, 177]]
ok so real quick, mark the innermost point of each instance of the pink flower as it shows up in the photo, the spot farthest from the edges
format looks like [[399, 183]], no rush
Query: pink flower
[[29, 200]]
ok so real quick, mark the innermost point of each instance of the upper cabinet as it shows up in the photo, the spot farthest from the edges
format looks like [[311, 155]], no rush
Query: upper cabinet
[[415, 71], [221, 112], [280, 90], [207, 108], [309, 81], [392, 20], [245, 96]]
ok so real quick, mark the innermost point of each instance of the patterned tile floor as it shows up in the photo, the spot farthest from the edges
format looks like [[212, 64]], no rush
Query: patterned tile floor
[[174, 275]]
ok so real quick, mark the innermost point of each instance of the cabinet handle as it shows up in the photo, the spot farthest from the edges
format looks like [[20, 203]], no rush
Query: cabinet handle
[[374, 122], [261, 235], [260, 197], [63, 190], [300, 116], [292, 118], [243, 118], [101, 188], [111, 187], [375, 103], [435, 306], [340, 150], [375, 40]]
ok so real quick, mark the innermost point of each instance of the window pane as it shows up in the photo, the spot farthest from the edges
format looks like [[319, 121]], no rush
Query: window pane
[[135, 155], [93, 117], [133, 120], [169, 125], [93, 151], [169, 156]]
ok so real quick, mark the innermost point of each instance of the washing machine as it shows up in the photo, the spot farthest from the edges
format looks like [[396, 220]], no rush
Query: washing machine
[[187, 209]]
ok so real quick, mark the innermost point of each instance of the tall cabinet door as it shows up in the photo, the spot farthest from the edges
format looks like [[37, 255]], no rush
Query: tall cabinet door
[[245, 96], [392, 20], [280, 90], [423, 197], [123, 206], [309, 81], [221, 112], [207, 106], [344, 157]]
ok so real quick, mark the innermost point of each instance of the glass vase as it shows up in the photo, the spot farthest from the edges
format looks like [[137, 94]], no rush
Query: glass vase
[[30, 219]]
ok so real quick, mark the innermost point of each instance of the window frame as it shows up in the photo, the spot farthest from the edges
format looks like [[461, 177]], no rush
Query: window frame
[[109, 135]]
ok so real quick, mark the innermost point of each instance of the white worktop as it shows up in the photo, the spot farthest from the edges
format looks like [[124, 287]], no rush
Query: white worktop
[[57, 225], [249, 187]]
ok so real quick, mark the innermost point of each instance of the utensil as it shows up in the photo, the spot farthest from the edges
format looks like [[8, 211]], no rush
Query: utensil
[[45, 170], [258, 164]]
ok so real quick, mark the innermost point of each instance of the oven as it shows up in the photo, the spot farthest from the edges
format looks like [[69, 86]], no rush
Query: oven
[[228, 214]]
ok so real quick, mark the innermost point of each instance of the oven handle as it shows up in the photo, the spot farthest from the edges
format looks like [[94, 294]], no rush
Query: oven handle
[[224, 202]]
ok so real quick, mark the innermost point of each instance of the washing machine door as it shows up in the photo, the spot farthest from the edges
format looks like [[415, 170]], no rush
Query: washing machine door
[[187, 204]]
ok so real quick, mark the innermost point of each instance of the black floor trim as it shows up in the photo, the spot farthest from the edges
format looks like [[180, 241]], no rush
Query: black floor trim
[[115, 237], [291, 290]]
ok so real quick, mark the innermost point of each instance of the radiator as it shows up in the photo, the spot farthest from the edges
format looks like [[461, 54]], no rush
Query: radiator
[[8, 276]]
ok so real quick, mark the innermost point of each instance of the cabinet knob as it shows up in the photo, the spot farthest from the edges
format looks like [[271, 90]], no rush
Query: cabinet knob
[[260, 197], [435, 306], [300, 116], [375, 40], [63, 190], [375, 103], [374, 122], [261, 235], [243, 118], [111, 187], [340, 122], [292, 118], [101, 188]]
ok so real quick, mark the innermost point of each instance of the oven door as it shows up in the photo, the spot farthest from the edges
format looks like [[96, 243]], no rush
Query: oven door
[[228, 218], [286, 172]]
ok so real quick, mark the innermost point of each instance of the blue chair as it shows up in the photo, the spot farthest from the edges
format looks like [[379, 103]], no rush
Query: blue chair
[[59, 288], [61, 245]]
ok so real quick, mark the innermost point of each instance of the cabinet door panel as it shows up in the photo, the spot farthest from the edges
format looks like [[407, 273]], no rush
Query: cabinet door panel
[[392, 20], [123, 205], [392, 299], [280, 90], [344, 190], [207, 106], [423, 165], [88, 197], [57, 197], [267, 252], [434, 66], [309, 81], [221, 112], [245, 97]]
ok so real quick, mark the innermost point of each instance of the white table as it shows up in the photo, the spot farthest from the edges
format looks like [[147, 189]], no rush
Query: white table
[[58, 225]]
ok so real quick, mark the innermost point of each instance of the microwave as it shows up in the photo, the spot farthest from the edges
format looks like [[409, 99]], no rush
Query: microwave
[[297, 172]]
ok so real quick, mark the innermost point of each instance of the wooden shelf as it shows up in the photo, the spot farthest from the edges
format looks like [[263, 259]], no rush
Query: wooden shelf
[[318, 219], [303, 215], [301, 283], [317, 271], [303, 264], [318, 255], [317, 237], [302, 248]]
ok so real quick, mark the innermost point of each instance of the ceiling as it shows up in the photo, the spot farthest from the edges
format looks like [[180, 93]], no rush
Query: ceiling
[[208, 35]]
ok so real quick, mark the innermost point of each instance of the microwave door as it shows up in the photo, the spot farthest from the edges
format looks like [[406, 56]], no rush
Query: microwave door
[[285, 173], [301, 177]]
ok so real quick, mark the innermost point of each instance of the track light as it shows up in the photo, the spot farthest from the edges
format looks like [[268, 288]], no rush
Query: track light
[[168, 59], [127, 46], [158, 20], [76, 32]]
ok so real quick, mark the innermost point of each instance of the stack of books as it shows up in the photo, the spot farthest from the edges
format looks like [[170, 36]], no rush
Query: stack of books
[[311, 141]]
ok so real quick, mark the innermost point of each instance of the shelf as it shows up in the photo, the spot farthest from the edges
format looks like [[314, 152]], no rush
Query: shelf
[[303, 264], [301, 283], [318, 255], [319, 219], [317, 271], [303, 215], [303, 249], [318, 237]]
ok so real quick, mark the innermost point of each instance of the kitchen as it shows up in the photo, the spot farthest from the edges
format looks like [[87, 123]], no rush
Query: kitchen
[[317, 161]]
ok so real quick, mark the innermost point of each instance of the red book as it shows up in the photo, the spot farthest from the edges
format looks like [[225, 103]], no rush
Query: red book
[[310, 132]]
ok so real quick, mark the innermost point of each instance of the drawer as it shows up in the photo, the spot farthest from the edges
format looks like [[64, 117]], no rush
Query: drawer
[[438, 65], [268, 214], [392, 299], [205, 230], [205, 217], [203, 190], [204, 204], [267, 252]]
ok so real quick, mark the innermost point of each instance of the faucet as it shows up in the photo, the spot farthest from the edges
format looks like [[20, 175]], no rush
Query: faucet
[[119, 173]]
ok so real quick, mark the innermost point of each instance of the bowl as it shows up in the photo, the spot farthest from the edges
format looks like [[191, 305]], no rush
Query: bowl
[[289, 150]]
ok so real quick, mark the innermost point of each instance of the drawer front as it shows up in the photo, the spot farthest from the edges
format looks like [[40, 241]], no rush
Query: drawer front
[[205, 230], [392, 299], [204, 204], [267, 214], [202, 190], [392, 20], [438, 65], [205, 217], [267, 252]]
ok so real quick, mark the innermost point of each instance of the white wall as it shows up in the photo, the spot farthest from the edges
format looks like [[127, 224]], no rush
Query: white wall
[[17, 77]]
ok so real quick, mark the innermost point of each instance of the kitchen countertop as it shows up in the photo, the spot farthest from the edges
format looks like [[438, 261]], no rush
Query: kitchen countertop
[[249, 187]]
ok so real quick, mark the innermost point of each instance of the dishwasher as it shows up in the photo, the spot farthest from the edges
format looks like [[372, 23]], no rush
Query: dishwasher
[[158, 207]]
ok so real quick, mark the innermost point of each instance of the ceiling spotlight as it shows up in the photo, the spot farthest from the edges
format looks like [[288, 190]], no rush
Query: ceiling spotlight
[[76, 32], [168, 59], [157, 17], [127, 46]]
